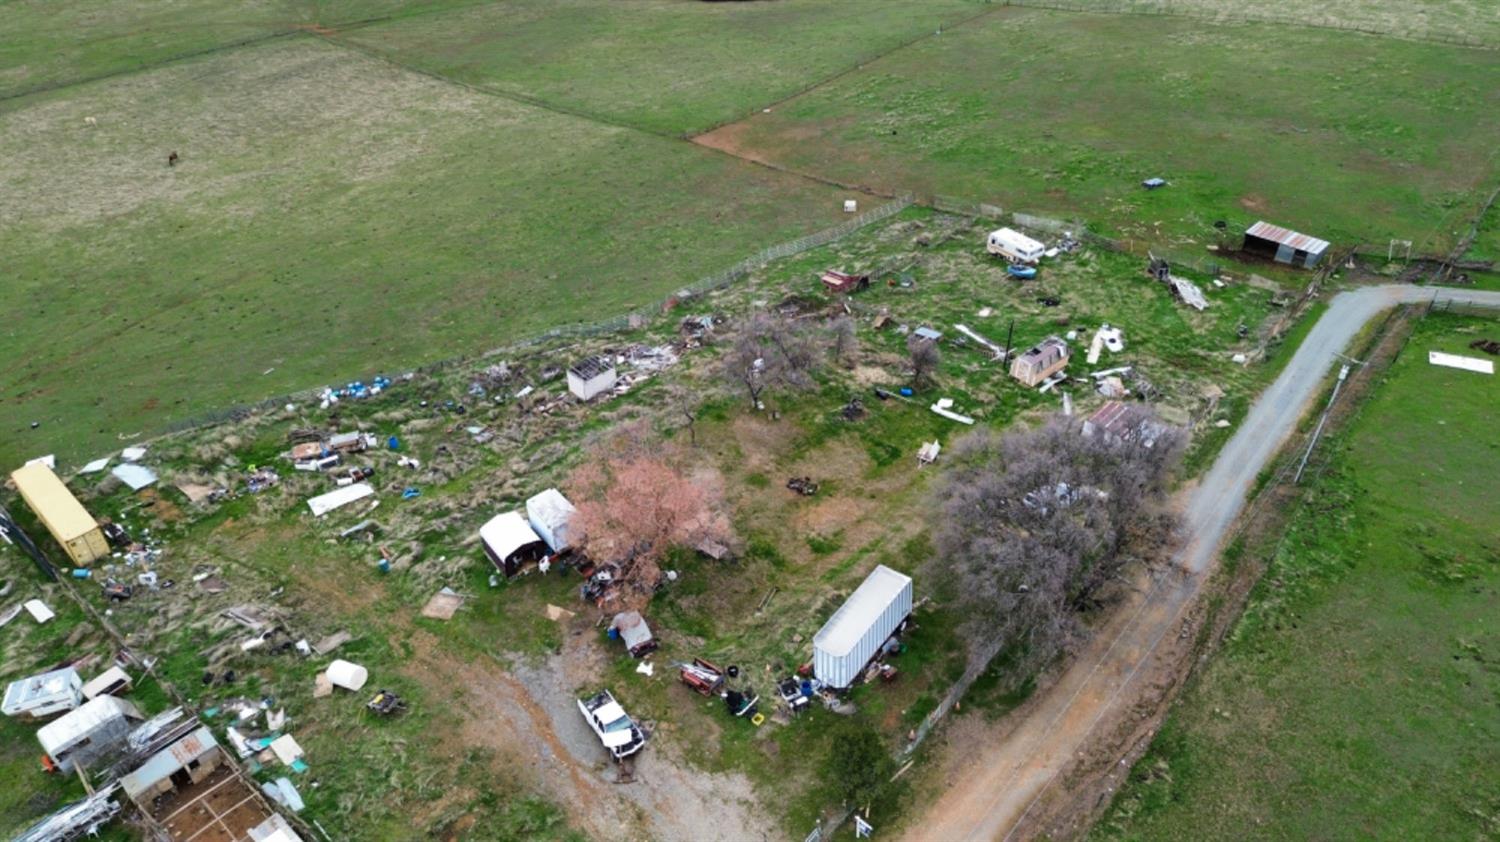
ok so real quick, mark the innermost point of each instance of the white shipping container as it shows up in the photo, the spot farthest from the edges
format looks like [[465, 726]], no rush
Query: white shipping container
[[855, 632]]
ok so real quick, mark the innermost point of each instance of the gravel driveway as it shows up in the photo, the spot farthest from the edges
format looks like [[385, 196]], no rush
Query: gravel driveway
[[1007, 775]]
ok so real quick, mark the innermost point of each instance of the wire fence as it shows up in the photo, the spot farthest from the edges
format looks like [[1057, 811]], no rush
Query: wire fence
[[625, 321]]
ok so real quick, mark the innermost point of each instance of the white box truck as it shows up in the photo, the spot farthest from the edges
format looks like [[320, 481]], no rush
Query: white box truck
[[1014, 246]]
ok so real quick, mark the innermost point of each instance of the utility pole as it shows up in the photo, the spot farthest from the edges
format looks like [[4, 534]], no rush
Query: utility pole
[[1339, 384]]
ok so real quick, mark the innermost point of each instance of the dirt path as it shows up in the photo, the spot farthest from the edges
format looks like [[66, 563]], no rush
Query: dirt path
[[1007, 773], [529, 717]]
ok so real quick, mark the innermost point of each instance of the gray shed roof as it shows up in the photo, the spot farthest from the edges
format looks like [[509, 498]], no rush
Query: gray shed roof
[[168, 760]]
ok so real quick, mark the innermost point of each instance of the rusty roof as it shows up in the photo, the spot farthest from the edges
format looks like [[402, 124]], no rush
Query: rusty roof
[[1287, 237]]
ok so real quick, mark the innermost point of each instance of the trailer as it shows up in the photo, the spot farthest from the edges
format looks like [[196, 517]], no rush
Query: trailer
[[1014, 246], [843, 282], [855, 633]]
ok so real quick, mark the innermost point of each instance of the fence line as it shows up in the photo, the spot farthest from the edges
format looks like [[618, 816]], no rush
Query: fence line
[[634, 318]]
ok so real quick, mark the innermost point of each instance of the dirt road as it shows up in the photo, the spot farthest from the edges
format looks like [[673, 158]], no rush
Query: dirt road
[[1006, 778]]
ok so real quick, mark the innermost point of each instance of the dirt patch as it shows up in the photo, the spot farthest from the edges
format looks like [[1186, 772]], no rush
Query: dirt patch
[[1254, 202], [731, 139], [529, 718]]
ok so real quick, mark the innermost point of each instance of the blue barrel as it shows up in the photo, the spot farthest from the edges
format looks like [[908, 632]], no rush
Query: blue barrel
[[384, 565], [393, 443], [82, 573], [906, 391]]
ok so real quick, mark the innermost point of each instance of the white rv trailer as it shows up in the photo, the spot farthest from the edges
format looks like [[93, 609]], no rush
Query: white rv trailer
[[1014, 246]]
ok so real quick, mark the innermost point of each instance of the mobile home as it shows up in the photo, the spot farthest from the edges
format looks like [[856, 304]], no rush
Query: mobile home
[[1014, 246]]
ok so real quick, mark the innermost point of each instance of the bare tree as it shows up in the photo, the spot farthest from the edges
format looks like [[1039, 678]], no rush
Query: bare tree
[[1035, 523], [843, 342], [636, 499], [771, 350], [925, 359]]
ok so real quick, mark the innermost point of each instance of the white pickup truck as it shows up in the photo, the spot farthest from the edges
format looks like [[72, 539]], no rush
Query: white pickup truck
[[615, 728]]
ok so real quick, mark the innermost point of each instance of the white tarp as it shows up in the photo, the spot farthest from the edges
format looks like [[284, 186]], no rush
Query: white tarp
[[95, 466], [39, 610], [347, 675], [504, 534], [135, 476], [549, 513], [325, 503], [1466, 363]]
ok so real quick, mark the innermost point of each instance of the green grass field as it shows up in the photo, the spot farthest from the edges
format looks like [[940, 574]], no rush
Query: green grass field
[[1348, 137], [64, 42], [333, 216], [672, 66], [1473, 22], [1356, 699]]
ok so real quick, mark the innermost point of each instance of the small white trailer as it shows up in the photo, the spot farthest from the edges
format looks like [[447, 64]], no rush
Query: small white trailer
[[1014, 246], [855, 632]]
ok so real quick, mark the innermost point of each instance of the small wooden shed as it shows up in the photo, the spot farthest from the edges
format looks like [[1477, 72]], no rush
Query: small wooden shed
[[1041, 361]]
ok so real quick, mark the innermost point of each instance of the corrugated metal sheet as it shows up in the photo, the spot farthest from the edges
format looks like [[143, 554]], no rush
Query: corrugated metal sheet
[[167, 761], [56, 507], [854, 633], [1287, 237]]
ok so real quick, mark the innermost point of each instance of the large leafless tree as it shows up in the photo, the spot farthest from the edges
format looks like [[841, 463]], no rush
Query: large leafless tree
[[1034, 523], [769, 351], [925, 359]]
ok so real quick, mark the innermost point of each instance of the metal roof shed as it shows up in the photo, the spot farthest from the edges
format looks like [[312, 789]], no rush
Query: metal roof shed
[[198, 753], [43, 695], [591, 377], [855, 632], [1284, 245], [65, 518], [548, 513]]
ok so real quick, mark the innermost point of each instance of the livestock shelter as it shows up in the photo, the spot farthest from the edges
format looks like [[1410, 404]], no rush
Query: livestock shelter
[[511, 543], [65, 518], [1041, 361], [88, 733], [591, 377], [186, 761], [549, 513], [1283, 245], [855, 633]]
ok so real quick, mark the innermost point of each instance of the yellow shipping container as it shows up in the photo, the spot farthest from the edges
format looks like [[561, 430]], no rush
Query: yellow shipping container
[[55, 506]]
